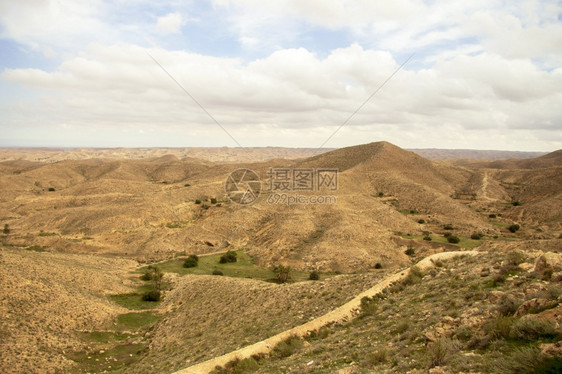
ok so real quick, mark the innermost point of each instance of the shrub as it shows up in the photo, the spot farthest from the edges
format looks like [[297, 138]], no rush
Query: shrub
[[441, 350], [447, 234], [453, 239], [213, 200], [153, 295], [531, 328], [381, 194], [377, 357], [369, 306], [6, 230], [378, 265], [515, 258], [414, 276], [464, 333], [314, 275], [410, 251], [508, 306], [287, 347], [514, 228], [191, 262], [217, 272], [497, 280], [527, 360], [515, 203], [146, 276], [477, 236], [282, 273], [51, 189], [421, 221], [427, 237], [228, 257], [499, 327], [448, 227], [187, 185], [197, 201], [155, 275], [492, 215]]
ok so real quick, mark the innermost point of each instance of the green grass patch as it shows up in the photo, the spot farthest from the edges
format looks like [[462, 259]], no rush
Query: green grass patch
[[114, 359], [133, 300], [134, 321], [104, 337], [244, 267], [176, 224]]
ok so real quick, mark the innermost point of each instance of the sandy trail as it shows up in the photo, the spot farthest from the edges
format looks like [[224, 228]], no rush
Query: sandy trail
[[341, 314]]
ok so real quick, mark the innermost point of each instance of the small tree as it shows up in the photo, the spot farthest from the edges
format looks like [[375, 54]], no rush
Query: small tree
[[191, 262], [453, 239], [6, 230], [282, 273], [155, 275], [513, 228], [229, 256]]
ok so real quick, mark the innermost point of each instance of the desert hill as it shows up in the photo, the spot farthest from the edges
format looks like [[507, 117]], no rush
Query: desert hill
[[78, 230]]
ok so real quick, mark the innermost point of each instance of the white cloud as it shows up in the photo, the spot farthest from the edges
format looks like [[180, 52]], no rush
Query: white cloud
[[170, 23], [294, 91]]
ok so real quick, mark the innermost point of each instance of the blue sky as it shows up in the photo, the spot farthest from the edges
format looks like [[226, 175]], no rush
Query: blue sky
[[484, 75]]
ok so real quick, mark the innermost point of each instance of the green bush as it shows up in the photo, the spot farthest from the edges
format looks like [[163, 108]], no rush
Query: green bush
[[187, 185], [381, 194], [213, 200], [477, 236], [51, 189], [314, 275], [497, 280], [447, 234], [217, 272], [197, 201], [228, 257], [514, 228], [153, 295], [6, 230], [492, 215], [515, 258], [146, 276], [410, 251], [453, 239], [448, 227], [515, 203], [532, 328], [427, 237], [414, 276], [191, 262], [378, 265], [421, 221]]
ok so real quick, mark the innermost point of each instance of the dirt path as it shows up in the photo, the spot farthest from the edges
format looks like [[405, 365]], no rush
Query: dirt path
[[484, 188], [340, 314]]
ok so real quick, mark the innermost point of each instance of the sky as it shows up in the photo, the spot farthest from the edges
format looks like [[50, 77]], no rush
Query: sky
[[479, 74]]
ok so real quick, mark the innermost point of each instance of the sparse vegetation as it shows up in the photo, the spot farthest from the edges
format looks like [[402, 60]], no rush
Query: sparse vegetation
[[6, 230], [217, 272], [378, 265], [213, 200], [410, 251], [197, 201], [514, 228], [448, 227]]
